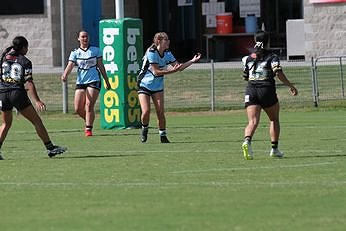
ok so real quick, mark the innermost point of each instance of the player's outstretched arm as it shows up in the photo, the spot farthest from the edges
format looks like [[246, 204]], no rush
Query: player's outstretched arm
[[190, 62]]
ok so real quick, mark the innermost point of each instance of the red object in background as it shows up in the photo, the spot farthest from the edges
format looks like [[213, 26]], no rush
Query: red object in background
[[224, 23]]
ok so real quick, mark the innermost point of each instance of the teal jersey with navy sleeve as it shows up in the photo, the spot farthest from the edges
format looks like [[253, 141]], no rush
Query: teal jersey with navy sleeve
[[86, 61], [153, 82]]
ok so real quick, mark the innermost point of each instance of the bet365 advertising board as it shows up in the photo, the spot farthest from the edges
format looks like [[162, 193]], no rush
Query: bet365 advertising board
[[121, 43]]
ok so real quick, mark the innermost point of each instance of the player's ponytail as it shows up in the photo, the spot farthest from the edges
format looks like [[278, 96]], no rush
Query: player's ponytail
[[5, 52], [261, 39], [2, 58], [18, 43]]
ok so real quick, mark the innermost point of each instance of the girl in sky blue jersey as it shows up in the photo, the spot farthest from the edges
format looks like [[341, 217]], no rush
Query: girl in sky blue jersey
[[88, 59], [157, 62]]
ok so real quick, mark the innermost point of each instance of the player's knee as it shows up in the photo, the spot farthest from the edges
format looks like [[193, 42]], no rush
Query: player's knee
[[253, 123]]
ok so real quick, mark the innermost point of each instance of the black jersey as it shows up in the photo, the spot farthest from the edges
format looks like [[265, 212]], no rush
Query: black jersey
[[16, 70], [260, 71]]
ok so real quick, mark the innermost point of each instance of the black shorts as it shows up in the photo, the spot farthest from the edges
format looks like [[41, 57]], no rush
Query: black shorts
[[17, 98], [265, 96], [143, 90], [96, 85]]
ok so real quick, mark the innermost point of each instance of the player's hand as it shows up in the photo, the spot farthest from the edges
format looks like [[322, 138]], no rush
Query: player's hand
[[293, 91], [40, 106], [196, 57], [108, 85], [63, 78], [177, 67]]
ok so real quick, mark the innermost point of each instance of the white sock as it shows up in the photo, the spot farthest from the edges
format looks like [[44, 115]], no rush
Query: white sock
[[163, 132]]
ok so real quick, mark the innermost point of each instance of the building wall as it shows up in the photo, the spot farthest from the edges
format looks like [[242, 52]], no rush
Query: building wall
[[325, 29], [44, 31], [324, 25], [36, 28], [73, 24], [131, 8]]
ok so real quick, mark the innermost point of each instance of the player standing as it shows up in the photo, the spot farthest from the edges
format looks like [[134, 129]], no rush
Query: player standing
[[260, 70], [16, 80], [158, 61]]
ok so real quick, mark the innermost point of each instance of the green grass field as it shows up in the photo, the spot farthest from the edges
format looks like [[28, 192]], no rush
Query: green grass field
[[200, 181]]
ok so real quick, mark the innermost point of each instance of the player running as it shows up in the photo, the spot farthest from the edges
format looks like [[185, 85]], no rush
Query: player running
[[89, 61], [16, 80], [260, 70]]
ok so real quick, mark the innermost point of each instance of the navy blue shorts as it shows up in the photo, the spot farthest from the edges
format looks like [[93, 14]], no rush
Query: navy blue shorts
[[143, 90], [96, 85]]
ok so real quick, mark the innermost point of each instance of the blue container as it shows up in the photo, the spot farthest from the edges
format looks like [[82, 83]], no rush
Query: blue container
[[251, 23]]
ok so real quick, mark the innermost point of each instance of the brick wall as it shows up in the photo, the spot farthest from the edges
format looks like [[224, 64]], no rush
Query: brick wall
[[36, 28], [44, 31], [324, 26], [325, 29]]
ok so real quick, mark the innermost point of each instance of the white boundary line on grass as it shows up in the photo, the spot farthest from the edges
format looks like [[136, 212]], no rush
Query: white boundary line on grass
[[253, 168], [170, 184], [231, 148]]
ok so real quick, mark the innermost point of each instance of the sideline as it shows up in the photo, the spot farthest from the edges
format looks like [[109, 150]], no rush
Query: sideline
[[254, 168]]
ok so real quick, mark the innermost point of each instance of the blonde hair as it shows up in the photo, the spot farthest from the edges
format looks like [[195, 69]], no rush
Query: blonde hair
[[158, 37], [156, 40]]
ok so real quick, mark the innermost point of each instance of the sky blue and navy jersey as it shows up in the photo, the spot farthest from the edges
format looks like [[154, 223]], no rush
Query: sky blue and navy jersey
[[86, 60], [152, 56]]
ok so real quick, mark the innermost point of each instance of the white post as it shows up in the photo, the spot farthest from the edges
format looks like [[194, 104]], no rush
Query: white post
[[63, 61], [119, 9]]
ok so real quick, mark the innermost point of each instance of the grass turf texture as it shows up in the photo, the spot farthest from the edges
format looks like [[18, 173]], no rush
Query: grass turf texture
[[200, 181]]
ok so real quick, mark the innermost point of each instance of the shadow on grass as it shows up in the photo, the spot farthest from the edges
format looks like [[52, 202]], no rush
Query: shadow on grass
[[97, 156], [315, 156], [207, 141]]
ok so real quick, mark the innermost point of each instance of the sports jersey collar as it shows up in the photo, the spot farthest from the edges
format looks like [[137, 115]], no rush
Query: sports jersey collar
[[85, 49]]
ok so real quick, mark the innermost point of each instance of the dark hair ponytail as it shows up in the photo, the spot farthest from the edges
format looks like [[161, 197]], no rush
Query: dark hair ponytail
[[261, 39], [5, 52], [2, 58], [18, 43]]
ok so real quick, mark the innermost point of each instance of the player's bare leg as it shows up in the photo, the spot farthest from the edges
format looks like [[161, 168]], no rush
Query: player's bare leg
[[79, 102], [274, 130], [158, 100], [253, 113], [144, 100], [90, 100]]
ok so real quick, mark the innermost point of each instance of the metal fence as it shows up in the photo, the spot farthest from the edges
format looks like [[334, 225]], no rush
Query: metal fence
[[215, 86], [328, 78], [220, 86]]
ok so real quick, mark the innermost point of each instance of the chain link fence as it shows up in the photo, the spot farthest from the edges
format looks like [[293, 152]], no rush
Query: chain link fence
[[220, 86], [213, 86]]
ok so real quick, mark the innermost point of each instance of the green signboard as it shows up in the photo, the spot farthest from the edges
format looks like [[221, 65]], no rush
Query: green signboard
[[121, 43]]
